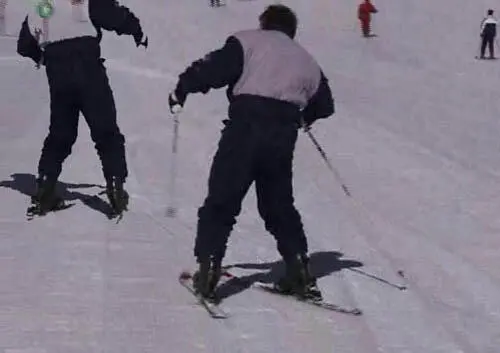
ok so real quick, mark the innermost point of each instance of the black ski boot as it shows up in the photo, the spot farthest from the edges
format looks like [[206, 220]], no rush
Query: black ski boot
[[45, 200], [298, 280], [206, 278], [117, 195]]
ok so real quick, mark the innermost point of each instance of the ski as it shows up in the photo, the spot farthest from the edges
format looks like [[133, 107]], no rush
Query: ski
[[34, 211], [269, 288], [213, 309]]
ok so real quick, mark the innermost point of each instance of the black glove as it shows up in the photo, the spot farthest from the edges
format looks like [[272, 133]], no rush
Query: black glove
[[305, 125], [176, 100], [138, 39], [27, 45]]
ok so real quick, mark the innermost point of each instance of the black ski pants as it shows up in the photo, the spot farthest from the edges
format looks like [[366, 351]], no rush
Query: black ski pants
[[78, 82], [251, 151], [488, 40]]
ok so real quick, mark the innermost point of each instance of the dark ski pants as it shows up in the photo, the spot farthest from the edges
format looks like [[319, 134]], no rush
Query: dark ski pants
[[78, 83], [488, 41], [251, 151]]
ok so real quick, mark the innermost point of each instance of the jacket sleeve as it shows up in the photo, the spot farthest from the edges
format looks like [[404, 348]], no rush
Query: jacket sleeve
[[483, 25], [373, 9], [111, 16], [27, 44], [219, 68], [321, 105]]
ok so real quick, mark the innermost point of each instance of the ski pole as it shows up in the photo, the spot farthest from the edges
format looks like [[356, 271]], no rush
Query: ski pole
[[358, 209], [328, 163], [377, 278], [172, 208]]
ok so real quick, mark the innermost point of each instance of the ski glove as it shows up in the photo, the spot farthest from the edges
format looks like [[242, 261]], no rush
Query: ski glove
[[176, 101]]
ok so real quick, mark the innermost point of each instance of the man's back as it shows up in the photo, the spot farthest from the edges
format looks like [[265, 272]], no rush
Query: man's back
[[275, 66]]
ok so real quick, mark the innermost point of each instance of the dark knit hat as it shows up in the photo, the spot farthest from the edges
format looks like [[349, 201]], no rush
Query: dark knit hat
[[280, 18]]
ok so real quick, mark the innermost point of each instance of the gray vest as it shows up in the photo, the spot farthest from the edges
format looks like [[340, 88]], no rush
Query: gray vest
[[69, 19], [276, 66]]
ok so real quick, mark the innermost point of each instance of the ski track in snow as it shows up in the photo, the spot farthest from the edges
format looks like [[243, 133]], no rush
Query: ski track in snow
[[415, 137]]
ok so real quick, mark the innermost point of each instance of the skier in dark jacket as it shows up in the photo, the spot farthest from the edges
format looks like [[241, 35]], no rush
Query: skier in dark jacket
[[488, 34], [274, 87], [78, 82]]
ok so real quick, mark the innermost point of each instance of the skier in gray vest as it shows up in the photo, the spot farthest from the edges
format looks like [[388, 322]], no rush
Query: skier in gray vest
[[274, 87], [70, 51], [488, 34]]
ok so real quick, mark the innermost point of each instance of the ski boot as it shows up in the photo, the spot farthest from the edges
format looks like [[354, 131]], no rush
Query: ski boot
[[298, 280], [45, 200], [117, 195], [206, 278]]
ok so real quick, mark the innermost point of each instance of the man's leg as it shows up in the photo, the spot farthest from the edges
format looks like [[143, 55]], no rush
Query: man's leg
[[63, 131], [230, 177], [365, 28], [484, 42], [491, 46], [98, 107], [276, 206], [274, 189]]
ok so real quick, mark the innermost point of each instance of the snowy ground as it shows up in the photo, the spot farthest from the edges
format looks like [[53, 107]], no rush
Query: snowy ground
[[416, 137]]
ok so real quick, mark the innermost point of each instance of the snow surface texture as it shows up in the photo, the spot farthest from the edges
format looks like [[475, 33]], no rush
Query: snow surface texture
[[416, 137]]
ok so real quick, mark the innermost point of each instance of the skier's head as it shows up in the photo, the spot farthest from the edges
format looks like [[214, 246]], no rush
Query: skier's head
[[490, 12], [280, 18]]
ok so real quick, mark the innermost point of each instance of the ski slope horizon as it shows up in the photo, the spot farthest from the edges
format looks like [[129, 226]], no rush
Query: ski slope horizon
[[415, 136]]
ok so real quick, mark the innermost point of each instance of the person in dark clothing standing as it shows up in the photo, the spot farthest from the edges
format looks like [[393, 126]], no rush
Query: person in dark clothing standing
[[274, 87], [488, 34], [78, 82]]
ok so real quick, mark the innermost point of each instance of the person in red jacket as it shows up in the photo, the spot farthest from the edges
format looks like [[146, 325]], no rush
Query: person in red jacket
[[365, 10]]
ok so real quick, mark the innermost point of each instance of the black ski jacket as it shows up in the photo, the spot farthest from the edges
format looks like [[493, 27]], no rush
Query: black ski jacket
[[104, 15], [489, 27]]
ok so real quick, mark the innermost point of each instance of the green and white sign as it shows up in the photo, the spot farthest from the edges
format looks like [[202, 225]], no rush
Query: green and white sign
[[45, 8]]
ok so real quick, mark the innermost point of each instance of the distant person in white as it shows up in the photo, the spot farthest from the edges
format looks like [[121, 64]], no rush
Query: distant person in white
[[488, 34], [78, 83]]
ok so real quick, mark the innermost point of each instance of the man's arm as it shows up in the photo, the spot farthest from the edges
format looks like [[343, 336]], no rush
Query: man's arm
[[111, 16], [321, 105], [217, 69]]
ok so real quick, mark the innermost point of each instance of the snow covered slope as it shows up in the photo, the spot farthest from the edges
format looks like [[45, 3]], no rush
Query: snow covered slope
[[416, 138]]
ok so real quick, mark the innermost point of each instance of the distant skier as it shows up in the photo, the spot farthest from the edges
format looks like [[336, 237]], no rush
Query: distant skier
[[488, 34], [3, 7], [274, 85], [215, 3], [78, 83], [365, 11]]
